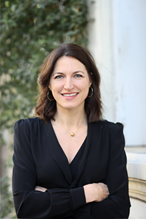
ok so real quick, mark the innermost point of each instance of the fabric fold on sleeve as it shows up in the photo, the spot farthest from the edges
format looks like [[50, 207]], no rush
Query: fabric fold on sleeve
[[78, 197]]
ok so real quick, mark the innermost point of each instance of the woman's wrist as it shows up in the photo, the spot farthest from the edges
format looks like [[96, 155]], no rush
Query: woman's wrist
[[40, 189], [89, 194]]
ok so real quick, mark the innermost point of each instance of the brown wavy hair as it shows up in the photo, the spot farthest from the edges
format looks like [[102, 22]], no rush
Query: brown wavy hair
[[45, 108]]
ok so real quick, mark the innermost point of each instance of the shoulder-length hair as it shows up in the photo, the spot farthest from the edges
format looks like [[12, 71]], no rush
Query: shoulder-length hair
[[45, 108]]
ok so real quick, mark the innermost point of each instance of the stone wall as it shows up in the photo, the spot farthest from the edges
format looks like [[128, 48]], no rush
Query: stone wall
[[116, 39]]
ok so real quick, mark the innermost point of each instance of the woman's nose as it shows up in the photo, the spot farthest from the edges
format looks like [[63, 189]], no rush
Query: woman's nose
[[68, 84]]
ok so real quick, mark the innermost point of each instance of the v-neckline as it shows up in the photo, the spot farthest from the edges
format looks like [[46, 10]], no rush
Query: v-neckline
[[74, 158], [62, 148]]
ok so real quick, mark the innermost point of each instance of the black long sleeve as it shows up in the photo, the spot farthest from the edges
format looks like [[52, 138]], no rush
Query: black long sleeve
[[29, 203], [117, 204]]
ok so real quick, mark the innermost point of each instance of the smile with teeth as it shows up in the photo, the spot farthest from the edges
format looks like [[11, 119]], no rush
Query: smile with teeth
[[69, 95]]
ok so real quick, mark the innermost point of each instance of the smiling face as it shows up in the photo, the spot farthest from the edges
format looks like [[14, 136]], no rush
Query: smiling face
[[69, 83]]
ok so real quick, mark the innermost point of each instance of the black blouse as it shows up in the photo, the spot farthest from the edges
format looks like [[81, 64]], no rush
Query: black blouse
[[40, 161], [76, 161]]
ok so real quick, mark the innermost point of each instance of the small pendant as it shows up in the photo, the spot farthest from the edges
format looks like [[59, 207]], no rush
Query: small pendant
[[72, 134]]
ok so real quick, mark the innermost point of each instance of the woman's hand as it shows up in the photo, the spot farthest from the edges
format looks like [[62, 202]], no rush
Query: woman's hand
[[96, 192], [41, 189]]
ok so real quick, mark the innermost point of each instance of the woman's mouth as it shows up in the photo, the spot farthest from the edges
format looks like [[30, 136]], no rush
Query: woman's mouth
[[70, 95]]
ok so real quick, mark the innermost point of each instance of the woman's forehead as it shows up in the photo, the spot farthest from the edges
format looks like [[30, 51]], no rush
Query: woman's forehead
[[67, 62]]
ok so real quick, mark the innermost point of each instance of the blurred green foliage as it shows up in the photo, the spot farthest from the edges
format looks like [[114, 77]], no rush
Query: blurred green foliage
[[29, 31], [7, 206]]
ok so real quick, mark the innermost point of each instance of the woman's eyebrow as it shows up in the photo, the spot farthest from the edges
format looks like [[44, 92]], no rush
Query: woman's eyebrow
[[79, 71], [58, 72]]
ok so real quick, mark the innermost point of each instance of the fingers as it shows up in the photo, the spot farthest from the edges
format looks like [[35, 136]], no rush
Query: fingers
[[41, 189], [104, 188], [102, 191]]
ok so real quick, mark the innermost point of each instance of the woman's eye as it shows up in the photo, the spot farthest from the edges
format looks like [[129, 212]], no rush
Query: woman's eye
[[78, 76], [58, 76]]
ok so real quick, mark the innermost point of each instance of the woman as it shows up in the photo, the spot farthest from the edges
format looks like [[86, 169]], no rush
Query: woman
[[68, 162]]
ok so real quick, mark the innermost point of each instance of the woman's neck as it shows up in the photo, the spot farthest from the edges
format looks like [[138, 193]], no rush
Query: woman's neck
[[70, 118]]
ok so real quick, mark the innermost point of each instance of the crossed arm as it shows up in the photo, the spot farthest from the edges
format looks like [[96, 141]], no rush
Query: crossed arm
[[93, 192]]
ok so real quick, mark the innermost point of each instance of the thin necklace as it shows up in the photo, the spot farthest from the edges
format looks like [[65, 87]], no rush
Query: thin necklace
[[72, 134]]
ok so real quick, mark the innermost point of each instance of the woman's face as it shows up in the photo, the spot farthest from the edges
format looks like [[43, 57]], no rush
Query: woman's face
[[69, 83]]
